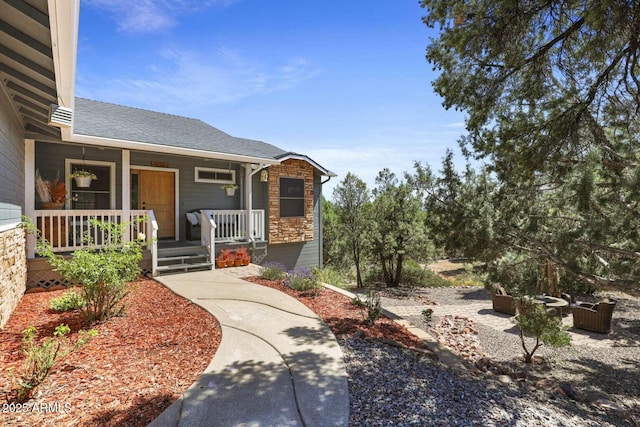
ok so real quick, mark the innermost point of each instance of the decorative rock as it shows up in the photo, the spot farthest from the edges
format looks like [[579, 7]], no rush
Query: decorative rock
[[545, 384], [572, 392], [359, 334], [505, 379], [394, 343], [612, 407]]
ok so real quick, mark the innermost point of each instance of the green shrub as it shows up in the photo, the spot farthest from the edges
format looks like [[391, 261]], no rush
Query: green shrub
[[546, 328], [41, 357], [302, 279], [273, 271], [413, 274], [103, 271], [68, 301], [372, 305], [332, 276], [427, 315]]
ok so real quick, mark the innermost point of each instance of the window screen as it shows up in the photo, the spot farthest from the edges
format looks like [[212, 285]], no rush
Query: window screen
[[291, 197]]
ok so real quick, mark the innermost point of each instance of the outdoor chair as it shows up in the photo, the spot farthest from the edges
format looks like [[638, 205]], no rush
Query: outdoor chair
[[502, 301], [594, 317]]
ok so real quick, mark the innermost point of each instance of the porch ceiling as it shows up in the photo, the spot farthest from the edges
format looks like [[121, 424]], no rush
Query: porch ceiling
[[26, 64]]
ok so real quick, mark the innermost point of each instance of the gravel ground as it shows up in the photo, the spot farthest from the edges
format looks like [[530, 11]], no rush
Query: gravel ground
[[392, 386]]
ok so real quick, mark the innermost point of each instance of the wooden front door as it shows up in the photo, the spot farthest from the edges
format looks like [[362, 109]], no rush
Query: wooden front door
[[156, 191]]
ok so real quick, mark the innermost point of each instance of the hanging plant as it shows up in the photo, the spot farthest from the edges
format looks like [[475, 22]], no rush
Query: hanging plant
[[229, 188], [83, 177]]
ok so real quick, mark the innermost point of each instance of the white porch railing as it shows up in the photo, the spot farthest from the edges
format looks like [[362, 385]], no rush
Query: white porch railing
[[232, 225], [68, 230]]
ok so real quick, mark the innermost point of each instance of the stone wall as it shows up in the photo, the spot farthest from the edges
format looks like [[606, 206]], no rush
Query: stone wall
[[290, 230], [13, 271]]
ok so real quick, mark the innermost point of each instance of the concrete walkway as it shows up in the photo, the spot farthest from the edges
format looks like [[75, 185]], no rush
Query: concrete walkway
[[278, 364]]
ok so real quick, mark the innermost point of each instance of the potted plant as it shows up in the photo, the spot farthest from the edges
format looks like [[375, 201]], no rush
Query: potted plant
[[243, 257], [221, 261], [231, 260], [51, 193], [230, 188], [83, 177]]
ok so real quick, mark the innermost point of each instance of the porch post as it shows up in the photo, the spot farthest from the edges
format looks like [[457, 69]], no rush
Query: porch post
[[29, 194], [126, 192], [248, 197]]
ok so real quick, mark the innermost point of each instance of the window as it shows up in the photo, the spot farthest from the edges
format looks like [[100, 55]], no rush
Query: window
[[291, 197], [215, 176], [98, 194]]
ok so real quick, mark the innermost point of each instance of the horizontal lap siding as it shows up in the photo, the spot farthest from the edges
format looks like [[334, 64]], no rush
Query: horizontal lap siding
[[11, 165], [13, 262], [50, 161]]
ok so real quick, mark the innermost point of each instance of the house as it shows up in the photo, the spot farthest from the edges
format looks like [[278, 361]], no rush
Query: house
[[165, 170]]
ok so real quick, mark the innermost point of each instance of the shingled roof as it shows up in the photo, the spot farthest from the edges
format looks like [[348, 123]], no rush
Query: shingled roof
[[111, 121]]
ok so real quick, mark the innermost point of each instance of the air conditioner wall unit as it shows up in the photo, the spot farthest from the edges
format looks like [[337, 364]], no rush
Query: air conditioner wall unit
[[60, 116]]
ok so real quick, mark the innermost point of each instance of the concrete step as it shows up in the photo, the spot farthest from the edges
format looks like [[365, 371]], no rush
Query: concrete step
[[186, 250], [184, 267], [182, 258]]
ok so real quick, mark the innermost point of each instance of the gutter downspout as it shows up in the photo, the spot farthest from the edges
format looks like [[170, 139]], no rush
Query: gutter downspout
[[321, 226]]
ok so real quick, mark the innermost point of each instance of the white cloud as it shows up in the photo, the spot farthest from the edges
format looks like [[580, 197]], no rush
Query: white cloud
[[148, 16], [198, 79], [456, 125]]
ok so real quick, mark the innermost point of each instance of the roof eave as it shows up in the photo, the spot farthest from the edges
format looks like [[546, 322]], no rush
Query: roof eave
[[63, 21], [324, 171], [164, 149]]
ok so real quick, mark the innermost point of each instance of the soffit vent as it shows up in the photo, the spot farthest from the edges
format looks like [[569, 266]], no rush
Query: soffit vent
[[60, 116]]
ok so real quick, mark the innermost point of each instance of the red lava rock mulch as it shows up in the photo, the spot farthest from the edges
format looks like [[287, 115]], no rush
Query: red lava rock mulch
[[127, 375], [344, 318]]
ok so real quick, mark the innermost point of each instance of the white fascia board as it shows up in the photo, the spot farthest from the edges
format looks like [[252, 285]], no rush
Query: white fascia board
[[165, 149], [312, 162], [63, 21]]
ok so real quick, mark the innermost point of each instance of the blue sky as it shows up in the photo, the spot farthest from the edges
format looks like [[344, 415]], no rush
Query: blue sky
[[344, 82]]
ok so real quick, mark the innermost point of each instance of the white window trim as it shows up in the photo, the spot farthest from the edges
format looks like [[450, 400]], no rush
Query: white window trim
[[112, 177], [197, 170]]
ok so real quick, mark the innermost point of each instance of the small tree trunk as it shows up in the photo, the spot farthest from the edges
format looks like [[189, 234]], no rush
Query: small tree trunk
[[356, 259], [398, 277]]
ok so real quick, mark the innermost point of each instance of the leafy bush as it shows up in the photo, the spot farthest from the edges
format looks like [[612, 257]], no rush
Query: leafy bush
[[68, 301], [427, 315], [302, 279], [535, 322], [273, 271], [41, 357], [102, 272], [332, 276], [516, 272], [413, 274], [372, 305]]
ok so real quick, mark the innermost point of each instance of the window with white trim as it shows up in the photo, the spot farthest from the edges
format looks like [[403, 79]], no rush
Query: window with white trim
[[98, 194], [215, 176]]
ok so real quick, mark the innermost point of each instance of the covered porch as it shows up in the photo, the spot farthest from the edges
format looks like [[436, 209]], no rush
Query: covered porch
[[70, 230]]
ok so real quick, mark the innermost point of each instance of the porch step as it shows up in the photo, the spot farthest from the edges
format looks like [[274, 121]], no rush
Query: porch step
[[184, 267], [183, 259]]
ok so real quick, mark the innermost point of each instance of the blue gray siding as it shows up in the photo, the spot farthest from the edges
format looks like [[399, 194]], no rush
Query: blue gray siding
[[11, 165]]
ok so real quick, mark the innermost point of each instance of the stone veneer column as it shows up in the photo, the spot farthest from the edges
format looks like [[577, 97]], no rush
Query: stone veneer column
[[13, 271], [290, 230]]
